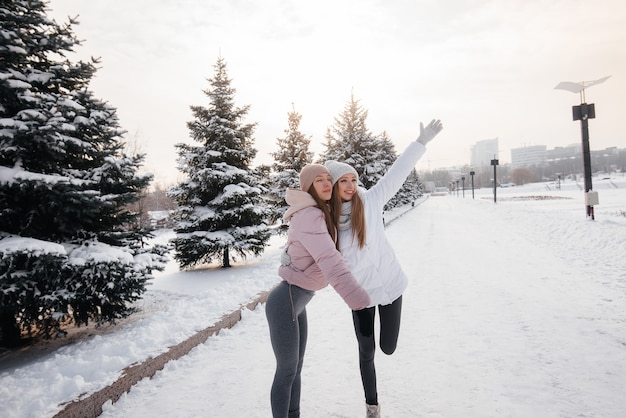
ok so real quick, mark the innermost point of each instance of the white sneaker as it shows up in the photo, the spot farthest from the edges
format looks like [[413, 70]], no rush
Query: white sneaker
[[372, 411]]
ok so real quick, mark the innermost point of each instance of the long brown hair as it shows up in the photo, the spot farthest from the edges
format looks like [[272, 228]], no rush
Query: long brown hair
[[323, 205], [357, 215]]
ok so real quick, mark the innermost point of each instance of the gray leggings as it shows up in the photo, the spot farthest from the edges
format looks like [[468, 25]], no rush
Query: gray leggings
[[286, 315]]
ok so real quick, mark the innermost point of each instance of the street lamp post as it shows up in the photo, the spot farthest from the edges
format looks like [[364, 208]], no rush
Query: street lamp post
[[472, 175], [494, 163], [583, 113], [463, 183]]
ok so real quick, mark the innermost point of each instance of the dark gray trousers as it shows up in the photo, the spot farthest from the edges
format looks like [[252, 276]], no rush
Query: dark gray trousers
[[286, 315]]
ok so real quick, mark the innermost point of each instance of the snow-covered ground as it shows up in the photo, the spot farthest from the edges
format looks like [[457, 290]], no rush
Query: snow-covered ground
[[514, 309]]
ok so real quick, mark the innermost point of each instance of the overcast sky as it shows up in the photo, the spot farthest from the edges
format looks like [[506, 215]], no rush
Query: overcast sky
[[486, 68]]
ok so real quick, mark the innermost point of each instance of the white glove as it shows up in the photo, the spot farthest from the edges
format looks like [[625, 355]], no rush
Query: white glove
[[429, 132], [285, 260]]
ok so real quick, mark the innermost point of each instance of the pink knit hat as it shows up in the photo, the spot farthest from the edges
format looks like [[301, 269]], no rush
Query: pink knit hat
[[308, 174]]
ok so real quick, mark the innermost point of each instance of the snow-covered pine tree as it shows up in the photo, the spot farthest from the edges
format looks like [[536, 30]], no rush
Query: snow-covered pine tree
[[220, 206], [292, 155], [350, 141], [66, 249], [411, 190]]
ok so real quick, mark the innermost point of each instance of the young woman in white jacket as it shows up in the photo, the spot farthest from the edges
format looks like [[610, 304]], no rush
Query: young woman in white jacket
[[361, 240]]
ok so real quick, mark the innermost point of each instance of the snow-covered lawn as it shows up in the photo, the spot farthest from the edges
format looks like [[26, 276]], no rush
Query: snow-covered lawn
[[514, 309]]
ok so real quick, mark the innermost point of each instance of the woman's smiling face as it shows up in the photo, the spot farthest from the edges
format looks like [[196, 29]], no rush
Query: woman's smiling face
[[347, 186]]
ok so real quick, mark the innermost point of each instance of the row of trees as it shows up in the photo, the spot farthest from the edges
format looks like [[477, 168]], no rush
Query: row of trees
[[226, 208], [73, 247]]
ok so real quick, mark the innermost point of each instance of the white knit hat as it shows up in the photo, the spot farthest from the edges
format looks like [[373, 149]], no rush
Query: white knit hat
[[338, 169]]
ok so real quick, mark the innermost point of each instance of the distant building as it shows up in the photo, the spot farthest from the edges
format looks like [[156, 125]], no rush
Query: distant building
[[160, 219], [483, 152], [531, 156], [564, 153]]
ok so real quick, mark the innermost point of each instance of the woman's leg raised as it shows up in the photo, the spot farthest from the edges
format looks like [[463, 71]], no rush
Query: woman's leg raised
[[390, 325]]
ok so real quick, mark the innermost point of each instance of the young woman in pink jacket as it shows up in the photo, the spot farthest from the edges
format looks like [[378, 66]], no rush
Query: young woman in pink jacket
[[315, 262]]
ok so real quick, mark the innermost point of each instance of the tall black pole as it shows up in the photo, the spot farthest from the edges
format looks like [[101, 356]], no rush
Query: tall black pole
[[494, 163], [463, 180], [583, 113]]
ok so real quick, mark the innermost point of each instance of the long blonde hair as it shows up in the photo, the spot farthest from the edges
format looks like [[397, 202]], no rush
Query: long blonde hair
[[357, 215]]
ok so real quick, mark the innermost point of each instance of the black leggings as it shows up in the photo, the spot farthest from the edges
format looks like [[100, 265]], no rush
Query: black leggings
[[364, 330]]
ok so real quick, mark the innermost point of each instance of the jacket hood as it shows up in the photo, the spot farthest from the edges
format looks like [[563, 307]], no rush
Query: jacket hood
[[297, 200]]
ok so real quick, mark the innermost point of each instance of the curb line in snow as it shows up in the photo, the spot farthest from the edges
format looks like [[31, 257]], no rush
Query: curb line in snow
[[415, 204], [91, 406]]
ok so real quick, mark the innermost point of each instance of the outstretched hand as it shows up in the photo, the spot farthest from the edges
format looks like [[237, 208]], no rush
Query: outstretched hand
[[430, 131]]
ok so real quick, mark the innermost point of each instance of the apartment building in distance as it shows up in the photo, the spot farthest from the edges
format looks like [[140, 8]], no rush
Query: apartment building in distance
[[482, 152], [529, 156]]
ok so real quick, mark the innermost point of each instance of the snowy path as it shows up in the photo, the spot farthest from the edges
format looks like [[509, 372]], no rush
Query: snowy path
[[504, 317], [506, 325]]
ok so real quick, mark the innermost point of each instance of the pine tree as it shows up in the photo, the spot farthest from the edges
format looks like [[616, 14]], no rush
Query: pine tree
[[410, 191], [381, 157], [350, 141], [67, 251], [292, 155], [220, 205]]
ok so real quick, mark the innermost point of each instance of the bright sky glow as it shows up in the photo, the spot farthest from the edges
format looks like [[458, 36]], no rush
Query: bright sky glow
[[486, 68]]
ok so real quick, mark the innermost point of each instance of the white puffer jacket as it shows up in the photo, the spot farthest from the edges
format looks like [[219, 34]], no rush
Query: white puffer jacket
[[375, 266]]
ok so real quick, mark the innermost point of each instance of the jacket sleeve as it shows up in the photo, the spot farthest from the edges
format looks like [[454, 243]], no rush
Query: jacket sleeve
[[395, 177], [310, 228]]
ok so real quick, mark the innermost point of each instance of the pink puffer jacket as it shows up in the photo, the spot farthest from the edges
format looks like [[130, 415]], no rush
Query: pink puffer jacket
[[315, 262]]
